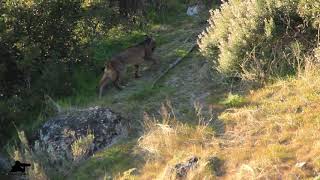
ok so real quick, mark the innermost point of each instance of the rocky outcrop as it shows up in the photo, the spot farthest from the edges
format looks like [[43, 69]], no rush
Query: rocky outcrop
[[95, 128]]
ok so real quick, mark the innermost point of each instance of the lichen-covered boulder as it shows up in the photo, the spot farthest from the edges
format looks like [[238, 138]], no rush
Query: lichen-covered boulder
[[76, 134]]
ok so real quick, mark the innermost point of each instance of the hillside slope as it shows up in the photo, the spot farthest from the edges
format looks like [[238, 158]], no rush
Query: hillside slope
[[233, 132], [191, 81]]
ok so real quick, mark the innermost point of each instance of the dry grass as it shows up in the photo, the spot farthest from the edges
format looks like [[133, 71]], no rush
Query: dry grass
[[169, 142], [82, 146], [277, 130], [24, 154], [273, 136]]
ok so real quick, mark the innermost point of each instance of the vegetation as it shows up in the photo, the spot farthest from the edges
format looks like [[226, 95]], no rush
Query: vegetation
[[109, 163], [279, 121], [169, 142], [58, 49], [259, 39], [233, 100], [267, 137], [82, 146], [52, 52]]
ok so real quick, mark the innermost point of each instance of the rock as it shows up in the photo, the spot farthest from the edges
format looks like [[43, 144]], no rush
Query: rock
[[193, 10], [181, 170], [216, 165], [98, 127]]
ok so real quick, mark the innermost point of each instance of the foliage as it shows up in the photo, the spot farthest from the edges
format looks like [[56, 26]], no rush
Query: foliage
[[276, 128], [258, 39], [107, 163], [310, 11], [23, 153], [233, 100], [45, 49], [82, 146], [57, 48], [169, 141]]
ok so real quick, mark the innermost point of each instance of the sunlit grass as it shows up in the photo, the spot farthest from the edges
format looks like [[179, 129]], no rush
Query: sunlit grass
[[277, 128], [233, 100], [109, 162]]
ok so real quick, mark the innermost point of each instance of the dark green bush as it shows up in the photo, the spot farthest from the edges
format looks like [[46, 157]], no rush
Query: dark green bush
[[58, 48], [41, 44]]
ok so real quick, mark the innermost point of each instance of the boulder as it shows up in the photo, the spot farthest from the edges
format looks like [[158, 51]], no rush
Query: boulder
[[181, 170], [58, 135]]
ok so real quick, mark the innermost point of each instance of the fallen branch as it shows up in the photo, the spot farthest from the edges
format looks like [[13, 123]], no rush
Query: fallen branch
[[172, 65]]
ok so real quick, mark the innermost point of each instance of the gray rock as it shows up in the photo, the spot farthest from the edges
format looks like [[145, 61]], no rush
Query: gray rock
[[193, 10], [57, 135], [181, 170]]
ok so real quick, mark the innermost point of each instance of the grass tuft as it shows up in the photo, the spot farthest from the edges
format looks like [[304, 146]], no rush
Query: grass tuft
[[233, 100]]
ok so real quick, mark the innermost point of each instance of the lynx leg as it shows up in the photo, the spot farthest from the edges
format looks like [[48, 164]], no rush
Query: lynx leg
[[103, 83], [117, 81], [136, 73]]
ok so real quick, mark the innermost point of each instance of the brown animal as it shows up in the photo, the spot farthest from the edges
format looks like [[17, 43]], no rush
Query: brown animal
[[135, 55]]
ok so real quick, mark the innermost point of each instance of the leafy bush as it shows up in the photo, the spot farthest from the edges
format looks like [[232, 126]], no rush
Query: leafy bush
[[258, 39], [42, 43], [233, 100], [310, 9]]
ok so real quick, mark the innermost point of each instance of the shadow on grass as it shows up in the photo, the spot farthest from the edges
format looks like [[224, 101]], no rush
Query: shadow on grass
[[108, 163]]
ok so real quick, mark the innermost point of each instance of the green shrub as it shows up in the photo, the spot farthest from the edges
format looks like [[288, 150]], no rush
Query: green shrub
[[259, 38], [233, 100], [43, 50], [310, 10]]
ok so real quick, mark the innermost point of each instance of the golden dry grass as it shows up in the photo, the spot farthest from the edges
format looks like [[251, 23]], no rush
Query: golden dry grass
[[274, 136], [277, 130], [168, 142]]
